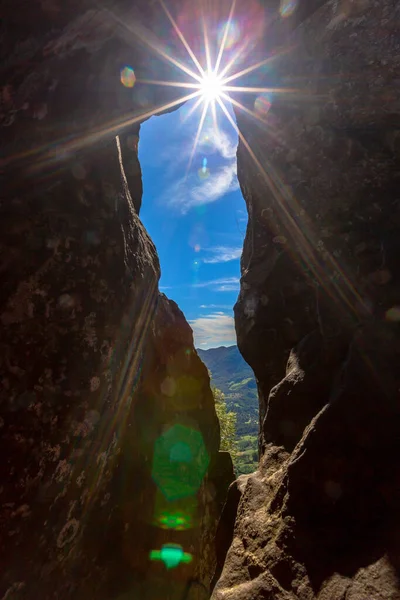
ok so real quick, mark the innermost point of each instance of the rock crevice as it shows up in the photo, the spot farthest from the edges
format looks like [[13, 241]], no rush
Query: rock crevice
[[96, 366]]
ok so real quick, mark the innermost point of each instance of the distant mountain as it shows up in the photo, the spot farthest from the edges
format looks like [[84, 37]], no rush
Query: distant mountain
[[231, 374]]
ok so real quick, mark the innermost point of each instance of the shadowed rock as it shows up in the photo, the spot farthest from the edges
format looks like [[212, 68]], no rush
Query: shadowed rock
[[94, 364], [316, 317]]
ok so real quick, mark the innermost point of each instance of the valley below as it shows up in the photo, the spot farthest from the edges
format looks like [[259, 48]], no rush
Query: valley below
[[231, 374]]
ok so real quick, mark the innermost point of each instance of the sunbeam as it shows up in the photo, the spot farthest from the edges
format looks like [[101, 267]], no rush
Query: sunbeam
[[301, 236], [183, 40], [225, 36], [206, 43], [208, 84], [65, 147], [200, 127], [213, 84]]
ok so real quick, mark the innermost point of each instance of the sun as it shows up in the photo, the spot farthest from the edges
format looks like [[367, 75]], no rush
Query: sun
[[211, 86], [210, 82]]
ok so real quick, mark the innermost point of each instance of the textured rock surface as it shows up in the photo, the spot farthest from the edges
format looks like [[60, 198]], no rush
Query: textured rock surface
[[317, 317], [94, 363]]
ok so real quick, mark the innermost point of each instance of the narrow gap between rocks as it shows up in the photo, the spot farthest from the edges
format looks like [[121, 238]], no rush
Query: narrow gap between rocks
[[194, 212]]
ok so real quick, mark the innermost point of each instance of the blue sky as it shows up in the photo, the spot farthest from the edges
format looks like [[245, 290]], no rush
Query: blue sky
[[196, 218]]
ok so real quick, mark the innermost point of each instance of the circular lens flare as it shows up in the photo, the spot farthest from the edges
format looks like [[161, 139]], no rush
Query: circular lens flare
[[231, 32], [287, 7], [128, 77], [203, 173], [262, 105]]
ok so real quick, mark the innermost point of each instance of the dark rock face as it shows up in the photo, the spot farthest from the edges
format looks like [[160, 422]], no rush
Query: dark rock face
[[173, 389], [94, 365], [318, 318]]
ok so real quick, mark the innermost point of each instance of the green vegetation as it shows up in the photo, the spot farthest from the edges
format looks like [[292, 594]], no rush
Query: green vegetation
[[233, 376], [243, 449], [227, 421], [246, 459], [236, 386]]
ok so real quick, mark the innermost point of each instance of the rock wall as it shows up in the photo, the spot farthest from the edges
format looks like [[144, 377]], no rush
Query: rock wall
[[318, 313], [96, 367]]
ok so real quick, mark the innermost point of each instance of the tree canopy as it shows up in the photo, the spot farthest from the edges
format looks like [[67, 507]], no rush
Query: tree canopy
[[227, 421]]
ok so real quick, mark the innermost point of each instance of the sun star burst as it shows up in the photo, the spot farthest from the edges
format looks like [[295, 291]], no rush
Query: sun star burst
[[211, 86]]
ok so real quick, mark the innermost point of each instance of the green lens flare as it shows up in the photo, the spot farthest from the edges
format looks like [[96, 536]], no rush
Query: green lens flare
[[174, 521], [179, 514], [171, 555], [180, 462]]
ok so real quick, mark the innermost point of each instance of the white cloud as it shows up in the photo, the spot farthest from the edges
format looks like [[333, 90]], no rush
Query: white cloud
[[211, 141], [190, 192], [222, 254], [224, 306], [241, 216], [228, 287], [226, 284], [212, 330], [217, 140], [214, 146]]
